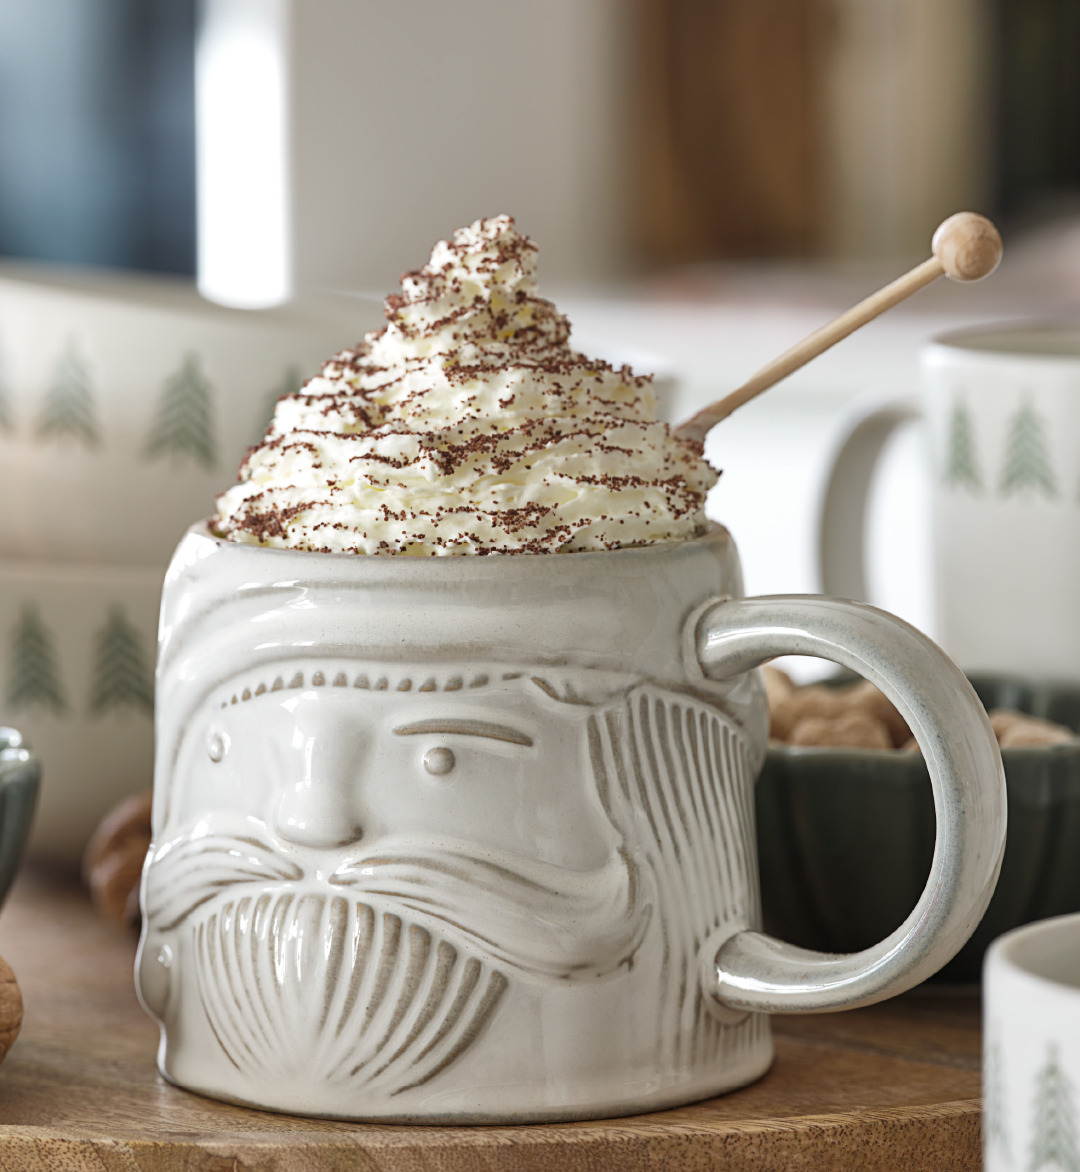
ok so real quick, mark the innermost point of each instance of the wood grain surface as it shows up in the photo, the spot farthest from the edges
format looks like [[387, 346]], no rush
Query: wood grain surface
[[888, 1088]]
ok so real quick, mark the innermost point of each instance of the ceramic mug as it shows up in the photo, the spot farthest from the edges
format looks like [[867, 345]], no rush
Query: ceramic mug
[[472, 839], [1001, 412], [1031, 1048]]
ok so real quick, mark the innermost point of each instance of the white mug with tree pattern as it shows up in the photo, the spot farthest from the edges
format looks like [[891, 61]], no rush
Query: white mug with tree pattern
[[1031, 1049], [472, 838], [1001, 412]]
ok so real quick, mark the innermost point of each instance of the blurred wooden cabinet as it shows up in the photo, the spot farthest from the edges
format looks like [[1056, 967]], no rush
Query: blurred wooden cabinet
[[729, 152], [805, 127]]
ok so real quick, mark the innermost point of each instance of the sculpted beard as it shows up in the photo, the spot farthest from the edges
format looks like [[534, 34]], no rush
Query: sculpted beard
[[385, 974]]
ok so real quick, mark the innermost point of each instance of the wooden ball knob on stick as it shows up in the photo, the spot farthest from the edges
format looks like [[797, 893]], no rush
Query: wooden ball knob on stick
[[966, 247]]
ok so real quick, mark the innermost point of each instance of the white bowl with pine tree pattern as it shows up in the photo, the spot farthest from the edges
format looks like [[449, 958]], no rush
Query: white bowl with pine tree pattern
[[127, 403], [77, 648]]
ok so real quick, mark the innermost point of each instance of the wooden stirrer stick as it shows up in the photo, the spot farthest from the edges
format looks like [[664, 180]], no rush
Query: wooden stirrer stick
[[966, 247]]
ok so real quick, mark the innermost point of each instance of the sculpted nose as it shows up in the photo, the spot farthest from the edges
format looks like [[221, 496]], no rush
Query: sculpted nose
[[320, 806]]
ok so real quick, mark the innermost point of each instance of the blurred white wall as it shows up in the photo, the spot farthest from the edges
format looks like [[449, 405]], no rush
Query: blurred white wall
[[410, 120], [407, 121]]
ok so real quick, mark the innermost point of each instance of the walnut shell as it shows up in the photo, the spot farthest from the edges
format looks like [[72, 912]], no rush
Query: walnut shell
[[1031, 731], [857, 717], [865, 696], [778, 684], [849, 730], [1002, 719], [11, 1008], [113, 862], [811, 700]]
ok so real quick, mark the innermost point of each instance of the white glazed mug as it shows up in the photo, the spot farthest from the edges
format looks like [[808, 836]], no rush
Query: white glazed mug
[[1001, 414], [472, 839], [1031, 1047]]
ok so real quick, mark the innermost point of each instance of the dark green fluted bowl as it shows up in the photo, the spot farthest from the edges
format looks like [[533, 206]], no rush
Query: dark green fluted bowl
[[20, 773], [846, 835]]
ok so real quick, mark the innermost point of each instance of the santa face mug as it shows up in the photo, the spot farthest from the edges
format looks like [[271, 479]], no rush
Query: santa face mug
[[472, 839]]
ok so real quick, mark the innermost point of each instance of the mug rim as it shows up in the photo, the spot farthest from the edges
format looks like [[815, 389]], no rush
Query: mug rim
[[219, 595], [714, 532], [1010, 952], [1004, 339]]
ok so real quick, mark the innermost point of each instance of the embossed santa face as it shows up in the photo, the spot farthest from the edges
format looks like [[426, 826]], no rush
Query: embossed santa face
[[496, 764], [365, 864]]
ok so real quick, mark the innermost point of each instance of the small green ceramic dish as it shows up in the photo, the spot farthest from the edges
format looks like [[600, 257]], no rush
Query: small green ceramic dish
[[846, 835], [20, 773]]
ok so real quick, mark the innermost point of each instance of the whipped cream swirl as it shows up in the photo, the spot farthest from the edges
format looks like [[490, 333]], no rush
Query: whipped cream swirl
[[468, 425]]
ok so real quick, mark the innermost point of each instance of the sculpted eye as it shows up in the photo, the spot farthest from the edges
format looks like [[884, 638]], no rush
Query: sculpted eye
[[439, 762], [216, 746]]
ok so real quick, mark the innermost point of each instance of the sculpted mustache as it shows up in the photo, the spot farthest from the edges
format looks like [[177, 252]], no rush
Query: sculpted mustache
[[544, 919], [186, 872], [530, 915]]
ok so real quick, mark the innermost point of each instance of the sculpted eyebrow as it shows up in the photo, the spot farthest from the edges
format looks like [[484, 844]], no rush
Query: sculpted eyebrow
[[467, 728]]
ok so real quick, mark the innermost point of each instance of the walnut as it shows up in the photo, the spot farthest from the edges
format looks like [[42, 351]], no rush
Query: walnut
[[113, 862], [1002, 719], [868, 698], [1029, 731], [859, 716], [848, 730], [1018, 730], [811, 700], [778, 684], [11, 1008]]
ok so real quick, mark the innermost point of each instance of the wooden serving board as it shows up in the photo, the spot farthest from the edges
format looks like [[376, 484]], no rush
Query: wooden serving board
[[891, 1087]]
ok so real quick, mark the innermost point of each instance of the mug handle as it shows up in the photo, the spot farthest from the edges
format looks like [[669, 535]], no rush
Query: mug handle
[[755, 972], [842, 517]]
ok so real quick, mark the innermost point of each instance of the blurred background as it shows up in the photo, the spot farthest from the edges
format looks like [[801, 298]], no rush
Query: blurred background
[[199, 200], [630, 136]]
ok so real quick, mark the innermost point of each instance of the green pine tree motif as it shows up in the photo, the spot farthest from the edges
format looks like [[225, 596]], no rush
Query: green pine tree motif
[[1054, 1141], [34, 678], [69, 403], [1027, 465], [122, 676], [292, 380], [184, 425], [994, 1119], [961, 466]]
